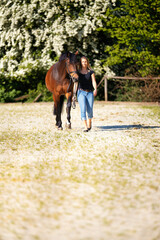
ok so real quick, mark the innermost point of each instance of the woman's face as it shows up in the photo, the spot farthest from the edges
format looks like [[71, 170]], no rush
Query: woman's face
[[84, 62]]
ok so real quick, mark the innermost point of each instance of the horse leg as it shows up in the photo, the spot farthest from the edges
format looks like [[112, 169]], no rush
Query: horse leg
[[68, 110], [58, 104]]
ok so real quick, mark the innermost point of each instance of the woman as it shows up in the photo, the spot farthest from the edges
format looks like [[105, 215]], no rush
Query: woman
[[87, 90]]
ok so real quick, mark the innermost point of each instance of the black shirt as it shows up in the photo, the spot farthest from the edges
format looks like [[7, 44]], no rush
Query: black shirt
[[85, 81]]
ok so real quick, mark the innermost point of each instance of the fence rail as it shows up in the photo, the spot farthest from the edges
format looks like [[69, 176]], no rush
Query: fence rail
[[106, 78]]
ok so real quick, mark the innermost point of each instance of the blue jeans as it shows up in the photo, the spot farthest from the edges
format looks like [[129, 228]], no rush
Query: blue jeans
[[86, 100]]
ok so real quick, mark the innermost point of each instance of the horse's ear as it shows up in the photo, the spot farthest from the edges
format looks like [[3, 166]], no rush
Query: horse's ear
[[76, 52], [68, 54]]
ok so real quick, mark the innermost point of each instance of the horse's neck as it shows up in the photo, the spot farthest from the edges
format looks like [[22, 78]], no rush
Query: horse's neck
[[61, 68]]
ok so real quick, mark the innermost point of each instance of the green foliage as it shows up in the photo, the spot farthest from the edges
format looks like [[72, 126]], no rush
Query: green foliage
[[8, 96], [9, 88], [134, 90], [129, 90], [34, 75], [12, 87], [134, 28], [46, 96], [132, 33]]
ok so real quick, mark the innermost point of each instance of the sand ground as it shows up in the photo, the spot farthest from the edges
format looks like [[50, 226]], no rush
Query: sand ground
[[70, 185]]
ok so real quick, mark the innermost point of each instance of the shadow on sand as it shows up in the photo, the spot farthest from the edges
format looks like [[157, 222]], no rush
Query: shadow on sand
[[125, 127]]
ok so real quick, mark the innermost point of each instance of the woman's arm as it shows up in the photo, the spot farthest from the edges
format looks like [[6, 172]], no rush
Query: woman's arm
[[94, 84]]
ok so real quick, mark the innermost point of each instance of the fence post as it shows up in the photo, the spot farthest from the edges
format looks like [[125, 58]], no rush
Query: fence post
[[105, 90]]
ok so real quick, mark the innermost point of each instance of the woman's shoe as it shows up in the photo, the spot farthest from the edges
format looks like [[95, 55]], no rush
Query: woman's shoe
[[85, 130]]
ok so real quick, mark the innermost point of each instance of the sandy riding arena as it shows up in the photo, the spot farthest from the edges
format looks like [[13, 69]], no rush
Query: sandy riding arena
[[71, 185]]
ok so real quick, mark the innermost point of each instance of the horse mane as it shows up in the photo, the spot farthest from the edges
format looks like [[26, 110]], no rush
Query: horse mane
[[63, 56], [71, 56]]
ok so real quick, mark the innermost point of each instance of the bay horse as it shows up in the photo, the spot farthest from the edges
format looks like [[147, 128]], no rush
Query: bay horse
[[62, 80]]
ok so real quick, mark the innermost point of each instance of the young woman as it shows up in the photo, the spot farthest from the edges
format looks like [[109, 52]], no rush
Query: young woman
[[87, 90]]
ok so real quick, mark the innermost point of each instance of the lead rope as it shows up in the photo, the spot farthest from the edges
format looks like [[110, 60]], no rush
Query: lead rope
[[75, 86]]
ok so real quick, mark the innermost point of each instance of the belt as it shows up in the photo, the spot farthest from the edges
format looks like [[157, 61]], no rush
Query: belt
[[86, 90]]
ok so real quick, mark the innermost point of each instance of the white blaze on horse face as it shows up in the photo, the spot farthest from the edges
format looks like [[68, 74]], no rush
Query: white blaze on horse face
[[73, 71], [72, 68]]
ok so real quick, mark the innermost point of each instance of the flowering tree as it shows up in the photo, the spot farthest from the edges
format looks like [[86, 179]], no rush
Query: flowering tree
[[34, 32]]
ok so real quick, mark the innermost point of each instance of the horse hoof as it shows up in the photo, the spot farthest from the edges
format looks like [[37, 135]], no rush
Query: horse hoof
[[68, 125], [60, 128]]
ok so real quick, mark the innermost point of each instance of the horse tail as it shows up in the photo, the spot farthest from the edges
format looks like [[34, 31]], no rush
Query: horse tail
[[60, 105]]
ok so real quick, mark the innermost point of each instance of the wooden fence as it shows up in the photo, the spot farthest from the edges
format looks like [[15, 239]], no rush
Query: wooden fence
[[106, 78]]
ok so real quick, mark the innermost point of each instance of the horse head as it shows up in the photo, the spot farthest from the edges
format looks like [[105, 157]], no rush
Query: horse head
[[71, 64]]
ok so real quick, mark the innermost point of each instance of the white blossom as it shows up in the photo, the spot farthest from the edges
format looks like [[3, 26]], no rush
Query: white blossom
[[44, 27]]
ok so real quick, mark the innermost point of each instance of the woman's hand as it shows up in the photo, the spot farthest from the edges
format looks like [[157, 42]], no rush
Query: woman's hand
[[95, 92]]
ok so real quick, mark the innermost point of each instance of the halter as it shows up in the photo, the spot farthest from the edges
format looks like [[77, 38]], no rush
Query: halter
[[72, 78]]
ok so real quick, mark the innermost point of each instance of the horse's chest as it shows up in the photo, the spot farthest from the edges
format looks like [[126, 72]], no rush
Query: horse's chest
[[64, 86]]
